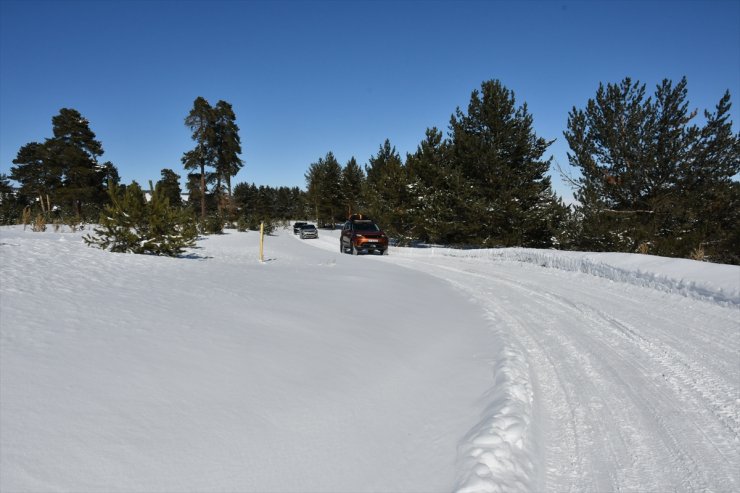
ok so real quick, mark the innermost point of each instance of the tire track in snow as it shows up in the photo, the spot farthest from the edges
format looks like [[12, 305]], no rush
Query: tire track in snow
[[641, 434]]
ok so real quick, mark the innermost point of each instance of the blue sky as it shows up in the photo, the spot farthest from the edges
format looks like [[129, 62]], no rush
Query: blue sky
[[307, 77]]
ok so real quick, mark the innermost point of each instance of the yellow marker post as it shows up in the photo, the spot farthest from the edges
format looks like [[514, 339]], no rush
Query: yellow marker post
[[262, 241]]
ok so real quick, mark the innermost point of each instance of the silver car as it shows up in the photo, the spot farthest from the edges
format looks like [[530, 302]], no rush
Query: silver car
[[309, 231]]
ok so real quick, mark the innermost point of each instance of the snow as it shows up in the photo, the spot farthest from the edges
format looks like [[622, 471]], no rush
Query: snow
[[425, 370]]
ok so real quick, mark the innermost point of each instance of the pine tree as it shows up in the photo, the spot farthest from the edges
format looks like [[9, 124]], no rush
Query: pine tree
[[129, 225], [353, 180], [170, 184], [75, 150], [501, 160], [200, 121], [437, 205], [227, 144], [324, 184], [651, 179], [122, 221], [10, 204], [386, 191], [709, 190], [168, 230], [34, 173], [65, 167]]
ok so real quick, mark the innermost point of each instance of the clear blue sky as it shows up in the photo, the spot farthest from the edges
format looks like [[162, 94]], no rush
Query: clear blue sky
[[308, 77]]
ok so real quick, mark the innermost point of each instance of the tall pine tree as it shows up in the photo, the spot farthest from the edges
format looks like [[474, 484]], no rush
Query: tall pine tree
[[386, 192], [437, 193], [227, 144], [200, 121], [501, 160], [353, 179], [324, 184]]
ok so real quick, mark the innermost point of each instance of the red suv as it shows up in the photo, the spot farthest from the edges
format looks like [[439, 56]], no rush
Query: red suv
[[360, 234]]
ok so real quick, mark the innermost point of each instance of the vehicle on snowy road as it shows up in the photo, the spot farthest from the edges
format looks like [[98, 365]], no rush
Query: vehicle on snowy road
[[308, 231], [361, 235]]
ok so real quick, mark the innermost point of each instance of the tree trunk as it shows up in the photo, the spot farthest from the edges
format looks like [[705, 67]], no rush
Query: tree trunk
[[202, 190]]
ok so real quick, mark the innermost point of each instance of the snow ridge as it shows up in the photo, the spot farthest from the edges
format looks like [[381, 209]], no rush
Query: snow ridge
[[712, 282], [496, 454]]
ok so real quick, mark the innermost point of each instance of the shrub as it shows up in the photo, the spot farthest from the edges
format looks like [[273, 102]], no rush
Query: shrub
[[129, 224], [212, 225]]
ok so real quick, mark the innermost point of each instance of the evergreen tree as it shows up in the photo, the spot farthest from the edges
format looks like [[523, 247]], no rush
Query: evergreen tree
[[324, 184], [34, 172], [283, 203], [168, 230], [227, 144], [710, 192], [129, 225], [298, 204], [65, 167], [75, 150], [200, 121], [501, 160], [244, 197], [10, 205], [121, 221], [170, 185], [386, 192], [437, 205], [353, 180], [650, 179]]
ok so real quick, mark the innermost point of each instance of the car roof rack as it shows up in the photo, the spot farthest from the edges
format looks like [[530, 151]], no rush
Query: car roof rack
[[359, 217]]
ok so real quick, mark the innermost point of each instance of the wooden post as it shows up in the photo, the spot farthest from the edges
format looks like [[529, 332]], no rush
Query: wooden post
[[262, 236]]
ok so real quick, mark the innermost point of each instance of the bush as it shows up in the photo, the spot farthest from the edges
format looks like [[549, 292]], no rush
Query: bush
[[129, 224], [242, 225], [212, 225]]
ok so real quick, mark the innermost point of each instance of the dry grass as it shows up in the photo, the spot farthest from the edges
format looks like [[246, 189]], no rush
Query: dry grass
[[26, 217], [698, 254], [39, 224]]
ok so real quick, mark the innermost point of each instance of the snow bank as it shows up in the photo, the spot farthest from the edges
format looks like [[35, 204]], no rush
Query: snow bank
[[496, 455], [699, 280]]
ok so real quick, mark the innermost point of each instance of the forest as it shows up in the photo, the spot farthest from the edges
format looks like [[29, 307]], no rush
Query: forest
[[649, 176]]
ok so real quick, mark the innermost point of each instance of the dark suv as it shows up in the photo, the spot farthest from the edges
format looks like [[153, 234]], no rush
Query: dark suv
[[360, 234], [297, 227]]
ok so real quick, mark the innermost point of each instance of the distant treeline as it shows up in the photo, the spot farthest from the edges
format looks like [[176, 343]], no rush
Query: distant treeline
[[646, 179]]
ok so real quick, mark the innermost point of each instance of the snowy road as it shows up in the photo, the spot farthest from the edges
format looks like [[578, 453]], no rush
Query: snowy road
[[622, 388], [425, 370]]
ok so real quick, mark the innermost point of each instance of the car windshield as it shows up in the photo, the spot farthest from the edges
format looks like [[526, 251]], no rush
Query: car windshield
[[366, 226], [310, 226]]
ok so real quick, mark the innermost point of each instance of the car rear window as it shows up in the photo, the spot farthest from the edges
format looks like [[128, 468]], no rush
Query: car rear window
[[366, 226]]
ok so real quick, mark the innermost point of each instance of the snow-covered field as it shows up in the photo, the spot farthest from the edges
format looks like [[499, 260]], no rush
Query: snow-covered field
[[425, 370]]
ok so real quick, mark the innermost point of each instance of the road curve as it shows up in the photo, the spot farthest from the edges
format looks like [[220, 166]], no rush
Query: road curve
[[601, 385]]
